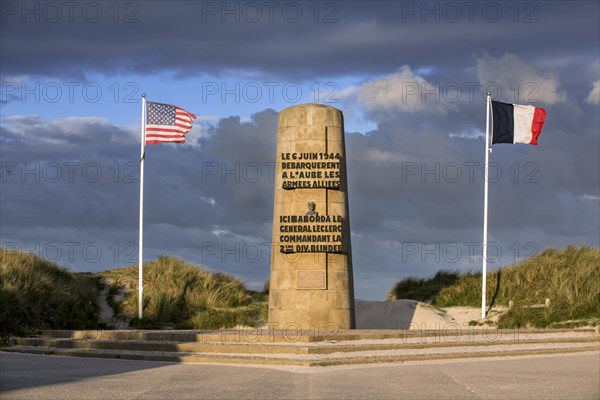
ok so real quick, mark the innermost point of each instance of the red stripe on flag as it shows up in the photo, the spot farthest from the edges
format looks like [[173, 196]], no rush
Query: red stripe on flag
[[164, 141], [179, 110], [156, 135], [174, 130], [539, 117]]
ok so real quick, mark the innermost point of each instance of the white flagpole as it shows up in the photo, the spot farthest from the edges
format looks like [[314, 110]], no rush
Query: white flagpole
[[141, 228], [488, 150]]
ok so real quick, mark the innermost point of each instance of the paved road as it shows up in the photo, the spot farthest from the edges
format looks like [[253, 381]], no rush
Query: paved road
[[25, 376]]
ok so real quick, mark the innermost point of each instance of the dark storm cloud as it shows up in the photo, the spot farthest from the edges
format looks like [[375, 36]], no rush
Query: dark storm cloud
[[74, 182], [56, 173], [415, 194], [429, 179], [415, 181], [347, 37]]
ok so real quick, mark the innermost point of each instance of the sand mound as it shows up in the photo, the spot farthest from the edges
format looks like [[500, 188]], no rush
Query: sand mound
[[401, 314]]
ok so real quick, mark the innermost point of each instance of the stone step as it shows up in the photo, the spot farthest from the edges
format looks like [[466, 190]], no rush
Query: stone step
[[338, 358], [308, 348], [252, 335], [314, 349]]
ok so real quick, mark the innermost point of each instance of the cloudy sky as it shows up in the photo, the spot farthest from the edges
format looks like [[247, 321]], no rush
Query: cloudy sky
[[410, 78]]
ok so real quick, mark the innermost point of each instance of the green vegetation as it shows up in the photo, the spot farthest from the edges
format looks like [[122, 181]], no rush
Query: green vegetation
[[37, 294], [569, 277], [422, 289], [181, 295]]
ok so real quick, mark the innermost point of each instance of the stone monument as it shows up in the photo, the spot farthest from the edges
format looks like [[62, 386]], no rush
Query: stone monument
[[311, 284]]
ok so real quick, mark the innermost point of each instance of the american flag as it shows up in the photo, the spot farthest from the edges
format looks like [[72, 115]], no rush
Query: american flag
[[166, 123]]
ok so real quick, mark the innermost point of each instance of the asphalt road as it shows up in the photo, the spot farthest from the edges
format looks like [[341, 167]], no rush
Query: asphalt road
[[25, 376]]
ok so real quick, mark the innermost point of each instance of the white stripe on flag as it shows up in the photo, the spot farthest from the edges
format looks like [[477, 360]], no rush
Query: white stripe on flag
[[523, 116]]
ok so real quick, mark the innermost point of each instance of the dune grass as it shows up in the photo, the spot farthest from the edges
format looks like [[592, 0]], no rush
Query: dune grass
[[569, 277], [181, 295], [37, 294], [422, 289]]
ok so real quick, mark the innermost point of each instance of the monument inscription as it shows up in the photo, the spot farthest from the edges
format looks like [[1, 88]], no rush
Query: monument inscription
[[311, 232], [310, 170]]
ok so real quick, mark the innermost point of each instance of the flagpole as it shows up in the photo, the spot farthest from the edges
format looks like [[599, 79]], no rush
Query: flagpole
[[488, 150], [141, 227]]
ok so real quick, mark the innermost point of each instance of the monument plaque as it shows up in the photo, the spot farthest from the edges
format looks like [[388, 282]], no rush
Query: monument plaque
[[311, 282], [311, 279]]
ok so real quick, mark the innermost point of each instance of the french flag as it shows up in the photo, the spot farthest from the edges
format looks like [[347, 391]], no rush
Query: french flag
[[516, 123]]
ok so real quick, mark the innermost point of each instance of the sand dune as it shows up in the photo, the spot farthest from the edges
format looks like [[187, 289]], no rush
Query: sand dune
[[411, 314]]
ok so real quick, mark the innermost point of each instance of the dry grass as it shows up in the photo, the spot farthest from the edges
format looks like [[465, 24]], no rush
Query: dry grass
[[569, 277], [422, 289], [37, 294], [182, 295]]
